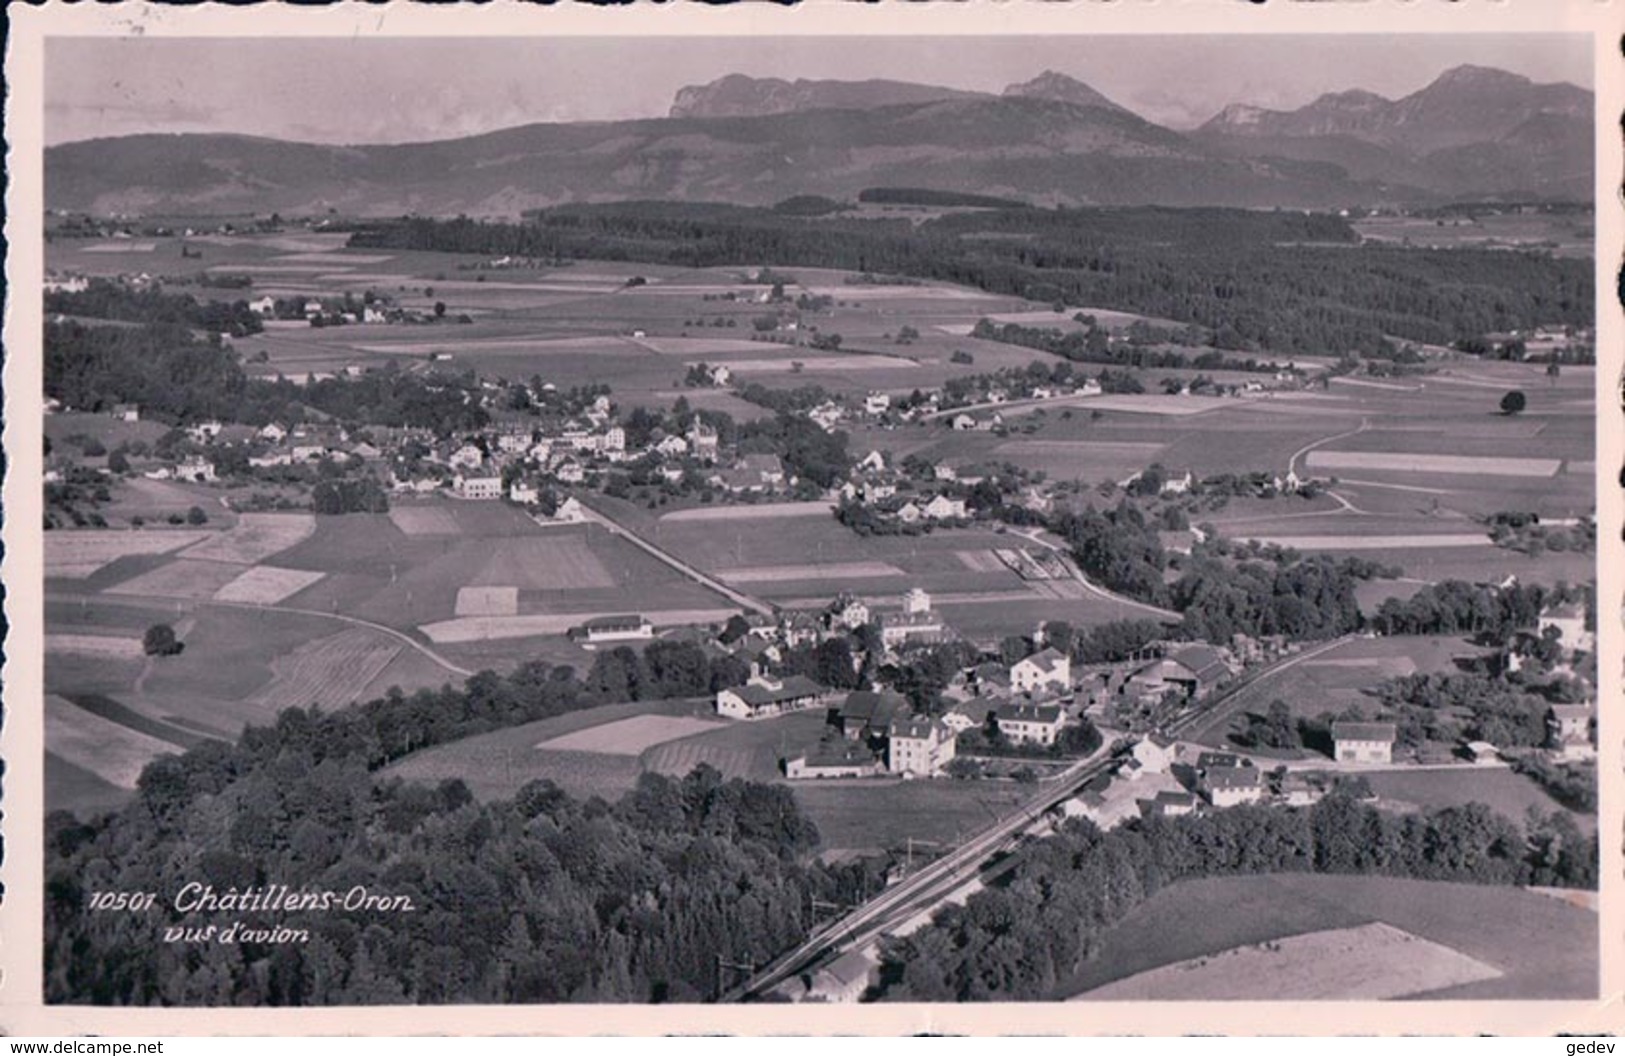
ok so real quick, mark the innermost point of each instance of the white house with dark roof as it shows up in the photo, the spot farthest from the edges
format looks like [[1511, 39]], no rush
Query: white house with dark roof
[[918, 745], [1568, 731], [1363, 742], [1229, 786], [765, 696], [480, 488], [613, 629], [1030, 723], [1045, 670]]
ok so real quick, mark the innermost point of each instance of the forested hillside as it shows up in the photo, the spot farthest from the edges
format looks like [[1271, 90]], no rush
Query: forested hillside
[[541, 899]]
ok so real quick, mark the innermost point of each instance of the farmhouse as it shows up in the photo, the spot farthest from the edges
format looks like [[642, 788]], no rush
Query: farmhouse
[[1170, 804], [918, 745], [865, 714], [763, 697], [1298, 789], [196, 468], [1194, 669], [1048, 669], [1363, 742], [479, 487], [1154, 754], [849, 613], [1030, 723], [832, 758], [613, 629], [942, 508], [1227, 786], [1568, 731]]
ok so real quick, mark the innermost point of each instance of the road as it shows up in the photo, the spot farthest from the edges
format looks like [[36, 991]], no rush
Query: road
[[919, 892], [1037, 536], [614, 527]]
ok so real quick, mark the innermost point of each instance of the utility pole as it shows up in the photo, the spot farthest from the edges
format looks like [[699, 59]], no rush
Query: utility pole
[[724, 964]]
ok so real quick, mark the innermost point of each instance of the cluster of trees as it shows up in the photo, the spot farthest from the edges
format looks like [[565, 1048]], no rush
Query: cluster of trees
[[806, 450], [1094, 346], [1572, 784], [1428, 706], [1218, 593], [180, 379], [104, 299], [1118, 548], [1456, 607], [359, 494], [1300, 597], [538, 899], [1525, 534], [1022, 939], [1243, 276]]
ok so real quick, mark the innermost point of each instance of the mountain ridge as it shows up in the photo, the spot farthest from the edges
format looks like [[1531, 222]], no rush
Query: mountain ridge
[[1049, 140]]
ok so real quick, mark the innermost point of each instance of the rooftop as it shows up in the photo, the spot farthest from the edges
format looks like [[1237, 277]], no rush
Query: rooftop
[[1364, 731]]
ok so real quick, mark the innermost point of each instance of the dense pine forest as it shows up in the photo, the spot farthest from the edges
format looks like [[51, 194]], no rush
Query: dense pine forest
[[1277, 282]]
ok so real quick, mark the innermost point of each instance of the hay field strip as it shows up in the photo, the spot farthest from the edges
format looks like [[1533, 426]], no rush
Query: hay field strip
[[423, 520], [76, 554], [1376, 542], [1100, 448], [336, 258], [539, 345], [1369, 962], [758, 512], [181, 578], [100, 646], [701, 346], [791, 573], [980, 560], [255, 537], [265, 585], [815, 364], [113, 752], [487, 601], [331, 671], [631, 736], [481, 628], [542, 562], [1178, 406]]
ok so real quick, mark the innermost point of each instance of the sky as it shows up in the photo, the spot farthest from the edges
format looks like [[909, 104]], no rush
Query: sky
[[395, 90]]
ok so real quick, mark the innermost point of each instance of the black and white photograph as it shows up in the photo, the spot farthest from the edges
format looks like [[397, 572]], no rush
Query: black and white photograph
[[796, 518]]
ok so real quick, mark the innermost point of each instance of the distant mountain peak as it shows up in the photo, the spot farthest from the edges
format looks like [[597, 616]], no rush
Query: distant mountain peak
[[1061, 88], [1469, 76], [1354, 98], [740, 95]]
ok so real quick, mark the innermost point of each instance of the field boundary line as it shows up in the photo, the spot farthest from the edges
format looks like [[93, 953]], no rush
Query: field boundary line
[[616, 528], [356, 621]]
